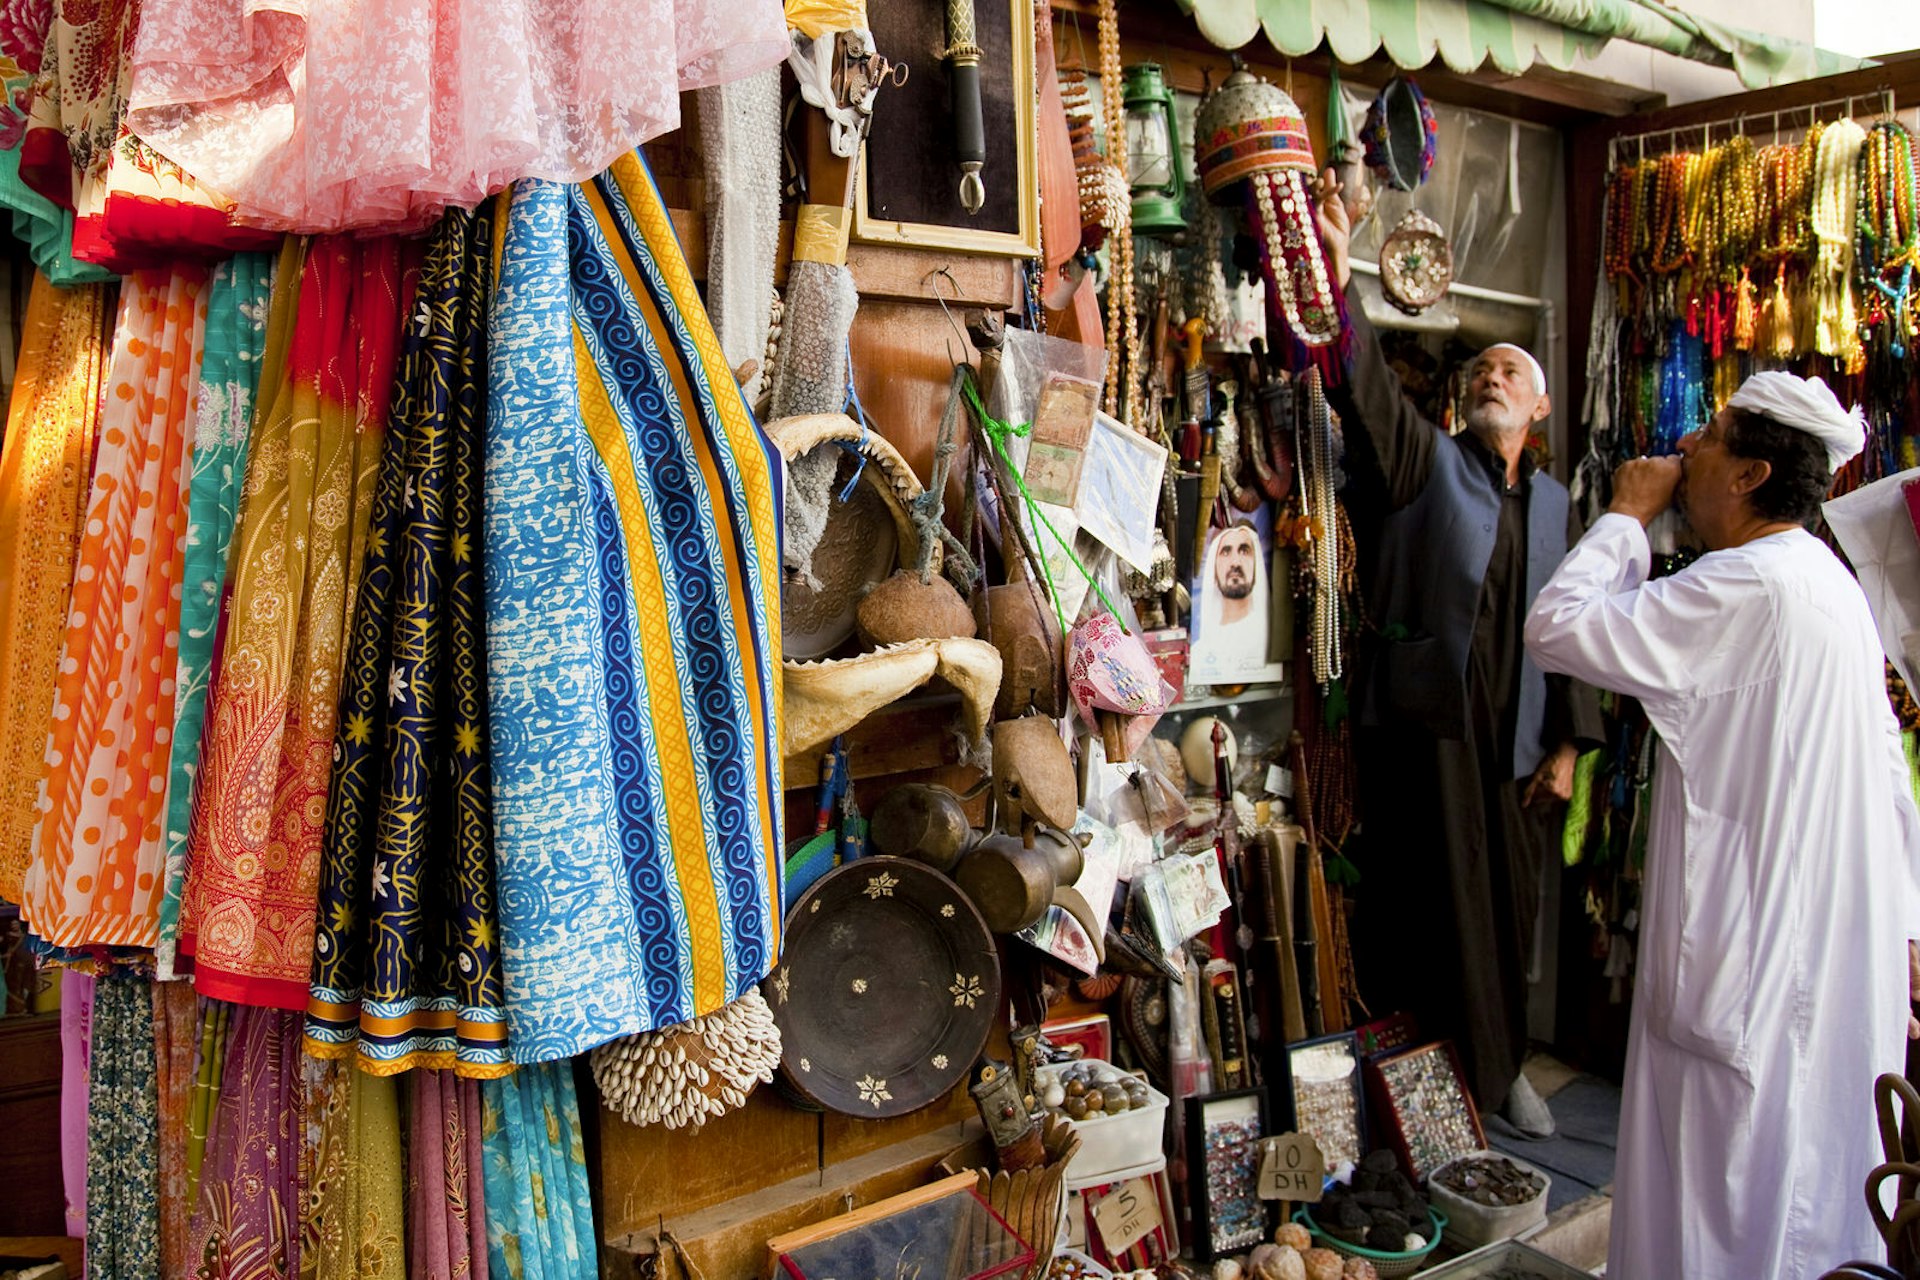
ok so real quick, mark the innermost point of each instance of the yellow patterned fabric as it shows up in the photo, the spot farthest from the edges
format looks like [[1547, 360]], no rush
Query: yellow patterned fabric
[[44, 468], [253, 849], [355, 1219]]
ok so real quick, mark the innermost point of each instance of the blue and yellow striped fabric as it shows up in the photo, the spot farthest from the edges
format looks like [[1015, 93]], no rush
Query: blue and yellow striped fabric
[[632, 586]]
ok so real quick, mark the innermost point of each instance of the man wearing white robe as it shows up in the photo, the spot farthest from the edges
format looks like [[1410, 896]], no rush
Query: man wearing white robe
[[1779, 899]]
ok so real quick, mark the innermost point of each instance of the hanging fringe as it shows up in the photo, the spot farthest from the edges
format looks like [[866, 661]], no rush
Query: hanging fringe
[[1746, 313]]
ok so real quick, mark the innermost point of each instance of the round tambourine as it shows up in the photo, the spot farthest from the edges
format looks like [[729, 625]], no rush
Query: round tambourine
[[1416, 264]]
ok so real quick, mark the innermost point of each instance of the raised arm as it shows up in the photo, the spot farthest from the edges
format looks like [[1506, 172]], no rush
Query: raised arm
[[1598, 619], [1404, 441]]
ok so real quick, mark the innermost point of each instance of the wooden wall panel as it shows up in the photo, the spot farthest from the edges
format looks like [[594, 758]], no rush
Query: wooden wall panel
[[651, 1172], [33, 1202]]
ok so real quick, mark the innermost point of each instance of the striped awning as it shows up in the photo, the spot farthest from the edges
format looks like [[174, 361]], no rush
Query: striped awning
[[1512, 35]]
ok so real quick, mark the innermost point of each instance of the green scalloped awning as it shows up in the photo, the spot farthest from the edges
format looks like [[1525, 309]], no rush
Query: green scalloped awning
[[1511, 34]]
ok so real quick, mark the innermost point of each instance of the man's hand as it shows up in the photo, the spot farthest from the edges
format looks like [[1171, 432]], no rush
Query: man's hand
[[1336, 226], [1553, 780], [1644, 487], [1913, 987]]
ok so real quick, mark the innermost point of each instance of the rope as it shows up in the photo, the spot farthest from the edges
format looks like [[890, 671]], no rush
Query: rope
[[929, 509]]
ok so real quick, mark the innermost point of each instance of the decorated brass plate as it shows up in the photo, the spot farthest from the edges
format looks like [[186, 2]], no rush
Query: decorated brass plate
[[887, 988], [1416, 264]]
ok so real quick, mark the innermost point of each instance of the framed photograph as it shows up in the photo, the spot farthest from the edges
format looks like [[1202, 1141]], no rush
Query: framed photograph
[[1223, 1171], [1231, 610], [909, 181], [1326, 1097], [1422, 1106]]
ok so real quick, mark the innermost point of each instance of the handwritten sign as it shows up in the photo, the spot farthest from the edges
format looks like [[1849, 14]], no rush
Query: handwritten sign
[[1291, 1168], [1127, 1215]]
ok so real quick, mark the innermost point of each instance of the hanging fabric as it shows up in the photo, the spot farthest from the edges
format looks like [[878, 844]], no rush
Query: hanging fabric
[[632, 569], [539, 1206], [76, 1053], [266, 752], [44, 468], [98, 857], [235, 338], [209, 1067], [43, 226], [176, 1042], [245, 1223], [446, 1206], [269, 101], [123, 1220], [356, 1196], [133, 205], [406, 957]]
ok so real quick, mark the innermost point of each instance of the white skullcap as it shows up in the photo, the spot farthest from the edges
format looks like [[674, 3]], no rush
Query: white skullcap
[[1539, 374], [1805, 404]]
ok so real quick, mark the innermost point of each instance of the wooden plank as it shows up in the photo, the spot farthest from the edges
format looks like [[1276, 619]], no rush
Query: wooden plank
[[649, 1172], [844, 1138], [728, 1241], [788, 1241]]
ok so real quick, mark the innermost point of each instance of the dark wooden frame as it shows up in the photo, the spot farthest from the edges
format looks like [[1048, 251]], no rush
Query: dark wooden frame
[[1200, 1185], [1290, 1111], [1388, 1104]]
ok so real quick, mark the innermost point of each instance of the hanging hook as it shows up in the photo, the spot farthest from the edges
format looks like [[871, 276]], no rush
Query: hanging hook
[[1776, 128], [952, 356]]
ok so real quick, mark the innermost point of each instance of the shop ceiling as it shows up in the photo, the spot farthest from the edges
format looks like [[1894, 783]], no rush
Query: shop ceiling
[[1516, 57]]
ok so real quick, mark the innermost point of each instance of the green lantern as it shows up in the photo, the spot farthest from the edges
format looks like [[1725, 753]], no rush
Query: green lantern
[[1154, 169]]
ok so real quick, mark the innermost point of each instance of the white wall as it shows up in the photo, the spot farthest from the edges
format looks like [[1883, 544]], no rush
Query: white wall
[[1862, 28], [1866, 28]]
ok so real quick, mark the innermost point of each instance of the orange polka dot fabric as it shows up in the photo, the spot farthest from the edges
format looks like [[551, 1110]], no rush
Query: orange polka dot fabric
[[98, 854], [44, 470]]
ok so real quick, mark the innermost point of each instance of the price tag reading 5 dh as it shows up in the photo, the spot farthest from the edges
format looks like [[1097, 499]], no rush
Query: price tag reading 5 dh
[[1127, 1215]]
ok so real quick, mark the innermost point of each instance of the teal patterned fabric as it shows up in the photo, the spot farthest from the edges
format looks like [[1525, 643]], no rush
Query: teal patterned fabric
[[123, 1134], [229, 379], [539, 1210]]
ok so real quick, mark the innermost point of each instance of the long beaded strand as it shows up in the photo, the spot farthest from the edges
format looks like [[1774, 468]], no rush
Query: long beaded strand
[[1324, 527], [1123, 328], [1785, 235], [1835, 197], [1885, 247]]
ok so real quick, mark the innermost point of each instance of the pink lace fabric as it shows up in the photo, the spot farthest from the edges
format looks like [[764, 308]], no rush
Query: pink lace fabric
[[320, 116]]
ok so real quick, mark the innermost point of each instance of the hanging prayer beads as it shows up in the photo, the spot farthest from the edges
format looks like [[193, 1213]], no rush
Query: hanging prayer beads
[[1886, 237]]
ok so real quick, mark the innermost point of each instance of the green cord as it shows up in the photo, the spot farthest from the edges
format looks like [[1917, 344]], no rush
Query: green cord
[[996, 433]]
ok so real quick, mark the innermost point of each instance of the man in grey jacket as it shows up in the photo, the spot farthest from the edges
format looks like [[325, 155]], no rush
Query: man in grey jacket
[[1465, 746]]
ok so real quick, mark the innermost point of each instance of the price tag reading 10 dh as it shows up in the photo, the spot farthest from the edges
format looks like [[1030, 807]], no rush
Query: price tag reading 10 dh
[[1127, 1215], [1291, 1168]]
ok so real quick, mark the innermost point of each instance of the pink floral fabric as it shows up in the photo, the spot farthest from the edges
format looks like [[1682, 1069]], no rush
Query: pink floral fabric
[[316, 117]]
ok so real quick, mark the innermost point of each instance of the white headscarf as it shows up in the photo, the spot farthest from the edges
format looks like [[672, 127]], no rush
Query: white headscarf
[[1210, 655], [1805, 404], [1539, 374]]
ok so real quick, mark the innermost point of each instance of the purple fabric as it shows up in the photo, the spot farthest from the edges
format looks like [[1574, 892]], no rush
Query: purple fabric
[[446, 1217], [476, 1181], [76, 1040], [246, 1225]]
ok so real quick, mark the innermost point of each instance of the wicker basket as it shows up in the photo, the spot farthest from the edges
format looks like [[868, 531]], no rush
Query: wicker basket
[[1388, 1266]]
